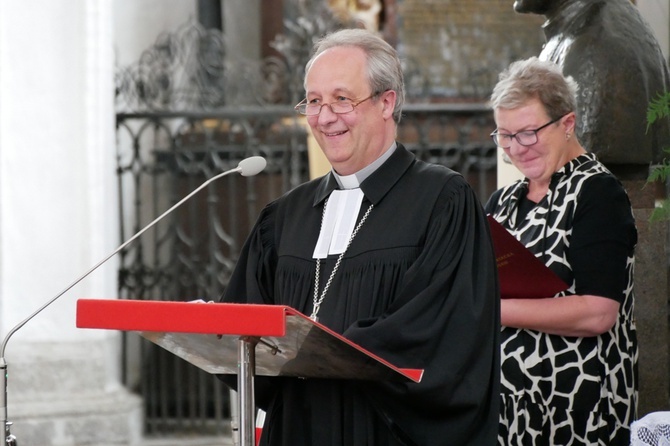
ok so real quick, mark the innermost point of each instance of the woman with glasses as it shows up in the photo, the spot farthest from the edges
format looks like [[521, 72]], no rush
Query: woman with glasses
[[568, 361]]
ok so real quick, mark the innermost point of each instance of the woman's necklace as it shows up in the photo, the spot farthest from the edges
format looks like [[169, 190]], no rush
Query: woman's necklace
[[318, 300]]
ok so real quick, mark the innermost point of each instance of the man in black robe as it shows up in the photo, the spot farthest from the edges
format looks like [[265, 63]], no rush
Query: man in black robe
[[391, 252]]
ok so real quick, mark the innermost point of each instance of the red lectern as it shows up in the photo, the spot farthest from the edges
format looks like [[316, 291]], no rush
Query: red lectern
[[242, 339]]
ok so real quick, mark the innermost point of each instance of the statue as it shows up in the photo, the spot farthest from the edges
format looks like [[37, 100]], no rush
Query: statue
[[365, 13], [608, 48]]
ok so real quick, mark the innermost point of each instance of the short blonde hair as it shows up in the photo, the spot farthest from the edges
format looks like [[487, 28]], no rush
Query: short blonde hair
[[533, 78]]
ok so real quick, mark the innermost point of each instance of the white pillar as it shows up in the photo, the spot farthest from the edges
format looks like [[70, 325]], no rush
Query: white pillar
[[58, 218], [657, 14], [138, 23], [507, 173]]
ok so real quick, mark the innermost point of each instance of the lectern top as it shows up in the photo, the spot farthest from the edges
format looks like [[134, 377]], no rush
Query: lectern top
[[288, 343]]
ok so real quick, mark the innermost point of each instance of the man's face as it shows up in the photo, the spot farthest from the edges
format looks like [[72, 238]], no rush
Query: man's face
[[533, 6], [353, 140]]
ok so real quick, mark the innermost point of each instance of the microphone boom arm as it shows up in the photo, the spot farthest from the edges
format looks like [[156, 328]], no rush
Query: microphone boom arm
[[247, 167]]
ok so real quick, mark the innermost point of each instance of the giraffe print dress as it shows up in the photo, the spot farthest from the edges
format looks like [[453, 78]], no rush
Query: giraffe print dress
[[558, 390]]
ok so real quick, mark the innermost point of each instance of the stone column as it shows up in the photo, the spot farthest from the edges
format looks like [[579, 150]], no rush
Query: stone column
[[58, 218], [651, 298]]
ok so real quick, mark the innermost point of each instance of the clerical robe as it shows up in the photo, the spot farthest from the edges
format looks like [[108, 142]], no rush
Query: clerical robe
[[417, 286]]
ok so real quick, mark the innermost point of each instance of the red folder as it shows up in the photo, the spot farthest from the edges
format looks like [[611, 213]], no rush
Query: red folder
[[521, 274]]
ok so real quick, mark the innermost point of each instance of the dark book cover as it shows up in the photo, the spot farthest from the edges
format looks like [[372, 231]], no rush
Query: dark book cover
[[521, 274]]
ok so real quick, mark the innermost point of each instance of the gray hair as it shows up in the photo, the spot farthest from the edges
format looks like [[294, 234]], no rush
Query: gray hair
[[532, 78], [384, 68]]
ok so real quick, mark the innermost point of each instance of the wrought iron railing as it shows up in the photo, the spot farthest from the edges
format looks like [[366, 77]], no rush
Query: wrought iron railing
[[191, 252]]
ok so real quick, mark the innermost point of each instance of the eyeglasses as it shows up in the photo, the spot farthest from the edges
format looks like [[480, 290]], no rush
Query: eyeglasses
[[339, 107], [525, 137]]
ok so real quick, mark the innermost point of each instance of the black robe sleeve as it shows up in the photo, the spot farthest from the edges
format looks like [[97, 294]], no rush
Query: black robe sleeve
[[443, 320]]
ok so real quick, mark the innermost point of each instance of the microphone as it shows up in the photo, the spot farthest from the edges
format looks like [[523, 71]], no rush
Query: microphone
[[247, 167], [251, 166]]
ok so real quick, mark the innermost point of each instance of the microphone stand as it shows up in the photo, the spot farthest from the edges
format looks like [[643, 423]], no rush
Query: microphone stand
[[247, 167]]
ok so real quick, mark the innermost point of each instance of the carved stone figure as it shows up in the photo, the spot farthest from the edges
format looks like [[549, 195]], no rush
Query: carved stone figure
[[609, 49], [362, 12]]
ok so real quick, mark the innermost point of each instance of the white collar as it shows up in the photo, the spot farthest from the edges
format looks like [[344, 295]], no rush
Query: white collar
[[355, 179]]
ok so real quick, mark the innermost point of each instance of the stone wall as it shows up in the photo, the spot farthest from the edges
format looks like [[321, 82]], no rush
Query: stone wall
[[462, 45], [651, 299]]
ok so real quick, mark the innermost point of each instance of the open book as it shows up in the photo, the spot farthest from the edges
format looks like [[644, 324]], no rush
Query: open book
[[521, 274]]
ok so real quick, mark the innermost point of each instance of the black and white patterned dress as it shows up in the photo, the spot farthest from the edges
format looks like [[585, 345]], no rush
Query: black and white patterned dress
[[558, 390]]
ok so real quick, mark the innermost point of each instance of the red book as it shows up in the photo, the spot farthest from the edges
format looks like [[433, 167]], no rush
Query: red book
[[521, 274]]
